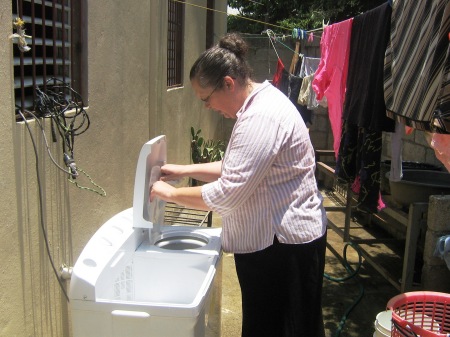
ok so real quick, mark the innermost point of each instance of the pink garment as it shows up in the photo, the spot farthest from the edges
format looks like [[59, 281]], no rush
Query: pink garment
[[356, 187], [331, 76]]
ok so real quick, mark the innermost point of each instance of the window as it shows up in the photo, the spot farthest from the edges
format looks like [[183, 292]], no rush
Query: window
[[175, 43], [58, 40]]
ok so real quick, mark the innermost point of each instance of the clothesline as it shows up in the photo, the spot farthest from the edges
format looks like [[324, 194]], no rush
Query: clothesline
[[240, 16]]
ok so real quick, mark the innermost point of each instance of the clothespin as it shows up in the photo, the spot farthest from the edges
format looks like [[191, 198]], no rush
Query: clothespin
[[325, 24], [298, 33], [311, 37]]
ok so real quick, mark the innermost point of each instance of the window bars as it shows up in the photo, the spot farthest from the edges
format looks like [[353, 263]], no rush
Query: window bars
[[56, 34], [175, 43]]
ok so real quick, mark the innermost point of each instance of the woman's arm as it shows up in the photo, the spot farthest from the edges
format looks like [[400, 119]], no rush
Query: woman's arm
[[206, 172], [190, 197]]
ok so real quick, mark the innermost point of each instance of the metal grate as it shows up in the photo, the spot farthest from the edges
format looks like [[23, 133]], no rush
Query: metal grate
[[175, 43], [179, 215], [57, 31]]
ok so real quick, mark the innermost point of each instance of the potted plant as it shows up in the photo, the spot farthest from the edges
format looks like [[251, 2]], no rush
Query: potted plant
[[205, 151]]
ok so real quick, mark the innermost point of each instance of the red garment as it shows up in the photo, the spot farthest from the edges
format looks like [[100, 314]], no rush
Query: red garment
[[277, 76]]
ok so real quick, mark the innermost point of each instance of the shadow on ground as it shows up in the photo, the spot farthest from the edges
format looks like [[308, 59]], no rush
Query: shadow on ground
[[338, 297]]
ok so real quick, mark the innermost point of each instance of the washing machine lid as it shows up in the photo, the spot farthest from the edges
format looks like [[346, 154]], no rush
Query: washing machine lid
[[153, 155]]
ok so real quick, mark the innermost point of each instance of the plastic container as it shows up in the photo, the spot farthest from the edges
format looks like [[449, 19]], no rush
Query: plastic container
[[382, 324], [385, 167], [420, 313]]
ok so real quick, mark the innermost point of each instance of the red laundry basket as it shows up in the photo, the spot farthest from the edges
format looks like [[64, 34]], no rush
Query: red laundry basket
[[420, 313]]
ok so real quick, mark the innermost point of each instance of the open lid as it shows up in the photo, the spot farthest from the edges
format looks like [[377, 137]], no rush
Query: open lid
[[148, 214]]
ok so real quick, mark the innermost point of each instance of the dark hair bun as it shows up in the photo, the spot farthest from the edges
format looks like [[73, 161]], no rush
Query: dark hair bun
[[234, 43]]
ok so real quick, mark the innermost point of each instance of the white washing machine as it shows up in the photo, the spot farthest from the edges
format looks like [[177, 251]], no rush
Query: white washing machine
[[136, 277]]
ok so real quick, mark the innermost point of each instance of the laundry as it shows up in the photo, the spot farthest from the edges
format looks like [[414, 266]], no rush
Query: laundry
[[331, 76], [290, 85], [307, 96], [418, 57], [364, 109], [367, 101]]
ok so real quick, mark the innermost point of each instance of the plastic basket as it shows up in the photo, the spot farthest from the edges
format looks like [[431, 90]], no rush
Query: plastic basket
[[420, 313]]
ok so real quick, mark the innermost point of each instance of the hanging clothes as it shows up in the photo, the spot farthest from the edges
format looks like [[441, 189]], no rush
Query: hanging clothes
[[364, 98], [307, 97], [290, 85], [364, 109], [359, 164], [309, 66], [416, 81], [276, 80], [331, 75]]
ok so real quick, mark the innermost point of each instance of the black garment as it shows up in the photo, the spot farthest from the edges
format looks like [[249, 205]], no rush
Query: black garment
[[364, 115], [282, 290], [364, 97], [359, 161], [290, 85]]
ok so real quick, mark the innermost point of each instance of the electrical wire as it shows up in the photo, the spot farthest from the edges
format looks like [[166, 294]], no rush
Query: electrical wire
[[45, 140], [99, 189], [41, 208], [56, 103], [351, 274], [64, 106]]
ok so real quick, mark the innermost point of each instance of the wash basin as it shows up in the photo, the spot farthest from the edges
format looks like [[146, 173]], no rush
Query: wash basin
[[418, 186]]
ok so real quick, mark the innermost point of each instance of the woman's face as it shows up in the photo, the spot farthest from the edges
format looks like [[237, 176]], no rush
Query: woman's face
[[218, 98]]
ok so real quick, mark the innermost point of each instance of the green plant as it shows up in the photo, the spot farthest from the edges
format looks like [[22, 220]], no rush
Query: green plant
[[205, 151]]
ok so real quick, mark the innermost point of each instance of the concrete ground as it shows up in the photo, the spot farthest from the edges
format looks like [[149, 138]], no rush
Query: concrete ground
[[338, 297], [369, 285]]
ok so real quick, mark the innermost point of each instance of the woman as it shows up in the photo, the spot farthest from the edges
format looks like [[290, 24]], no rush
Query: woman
[[265, 190]]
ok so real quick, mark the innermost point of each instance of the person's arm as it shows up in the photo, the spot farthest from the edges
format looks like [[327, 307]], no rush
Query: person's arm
[[190, 197], [206, 172]]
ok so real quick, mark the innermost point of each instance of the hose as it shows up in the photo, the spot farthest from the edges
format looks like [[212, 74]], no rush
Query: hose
[[351, 273]]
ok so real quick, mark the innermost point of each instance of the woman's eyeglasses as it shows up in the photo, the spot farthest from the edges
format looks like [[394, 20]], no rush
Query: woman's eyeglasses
[[206, 100]]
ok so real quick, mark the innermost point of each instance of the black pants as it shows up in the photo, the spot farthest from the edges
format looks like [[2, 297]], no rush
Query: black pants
[[282, 290]]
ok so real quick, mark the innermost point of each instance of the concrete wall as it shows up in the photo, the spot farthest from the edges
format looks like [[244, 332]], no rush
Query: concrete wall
[[128, 104], [435, 272]]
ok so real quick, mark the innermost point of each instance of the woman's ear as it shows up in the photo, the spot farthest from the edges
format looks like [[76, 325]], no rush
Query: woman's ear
[[229, 82]]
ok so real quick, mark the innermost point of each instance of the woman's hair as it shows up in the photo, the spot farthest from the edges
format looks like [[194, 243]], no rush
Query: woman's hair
[[227, 58]]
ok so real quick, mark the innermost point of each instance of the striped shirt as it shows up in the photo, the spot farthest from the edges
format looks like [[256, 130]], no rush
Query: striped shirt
[[417, 68], [267, 186]]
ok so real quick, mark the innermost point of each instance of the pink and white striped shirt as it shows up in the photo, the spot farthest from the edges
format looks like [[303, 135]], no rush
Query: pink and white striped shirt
[[267, 186]]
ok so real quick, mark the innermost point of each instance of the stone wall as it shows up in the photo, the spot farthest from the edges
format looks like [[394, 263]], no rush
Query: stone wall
[[435, 272]]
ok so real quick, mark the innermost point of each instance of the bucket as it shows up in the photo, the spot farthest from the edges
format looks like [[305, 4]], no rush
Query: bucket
[[383, 324]]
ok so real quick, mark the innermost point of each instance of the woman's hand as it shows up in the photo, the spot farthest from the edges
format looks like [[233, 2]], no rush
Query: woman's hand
[[171, 172], [187, 196], [161, 190]]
